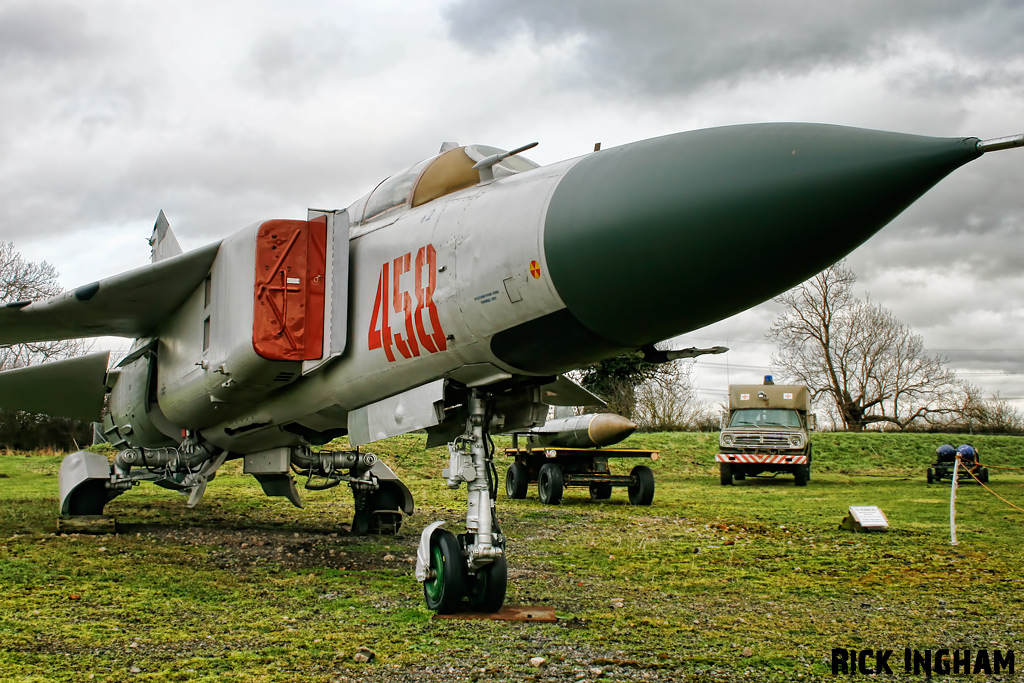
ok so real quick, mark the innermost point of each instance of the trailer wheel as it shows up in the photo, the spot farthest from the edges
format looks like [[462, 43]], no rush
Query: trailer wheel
[[550, 483], [600, 491], [642, 492], [739, 474], [983, 475], [517, 480], [725, 473], [800, 475], [931, 477]]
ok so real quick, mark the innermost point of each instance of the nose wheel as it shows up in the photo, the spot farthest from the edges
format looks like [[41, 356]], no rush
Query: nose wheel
[[446, 584], [486, 589], [449, 581], [470, 566]]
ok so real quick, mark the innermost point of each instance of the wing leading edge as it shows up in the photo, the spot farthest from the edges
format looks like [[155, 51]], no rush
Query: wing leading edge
[[131, 304]]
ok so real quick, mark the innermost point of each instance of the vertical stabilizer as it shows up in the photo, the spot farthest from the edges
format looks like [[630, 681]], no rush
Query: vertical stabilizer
[[163, 242]]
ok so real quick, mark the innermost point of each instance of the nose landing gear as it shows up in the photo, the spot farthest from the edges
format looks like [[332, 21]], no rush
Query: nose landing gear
[[473, 565]]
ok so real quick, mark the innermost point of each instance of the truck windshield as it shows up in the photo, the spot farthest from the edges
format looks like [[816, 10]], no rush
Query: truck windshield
[[765, 417]]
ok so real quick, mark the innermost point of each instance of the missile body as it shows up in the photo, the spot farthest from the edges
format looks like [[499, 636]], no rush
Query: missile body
[[593, 430]]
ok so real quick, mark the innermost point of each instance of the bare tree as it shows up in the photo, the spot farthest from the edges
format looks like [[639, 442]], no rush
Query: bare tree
[[616, 380], [22, 280], [992, 415], [858, 357], [668, 402]]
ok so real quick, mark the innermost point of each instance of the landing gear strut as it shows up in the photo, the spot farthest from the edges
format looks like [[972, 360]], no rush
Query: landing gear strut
[[471, 565]]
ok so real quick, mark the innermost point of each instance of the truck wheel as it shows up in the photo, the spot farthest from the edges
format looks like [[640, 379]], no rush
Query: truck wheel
[[516, 481], [931, 477], [800, 475], [738, 474], [642, 492], [550, 483], [600, 491], [725, 473]]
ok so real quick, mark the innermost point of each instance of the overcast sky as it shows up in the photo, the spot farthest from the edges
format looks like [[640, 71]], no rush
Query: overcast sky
[[225, 113]]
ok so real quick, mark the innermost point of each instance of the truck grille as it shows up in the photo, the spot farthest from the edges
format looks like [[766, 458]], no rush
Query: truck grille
[[762, 440]]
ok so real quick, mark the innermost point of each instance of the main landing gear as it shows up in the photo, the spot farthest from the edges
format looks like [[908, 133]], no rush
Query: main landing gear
[[471, 567]]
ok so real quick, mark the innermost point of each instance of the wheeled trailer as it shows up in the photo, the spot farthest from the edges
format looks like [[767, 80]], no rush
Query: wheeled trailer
[[555, 468], [945, 461]]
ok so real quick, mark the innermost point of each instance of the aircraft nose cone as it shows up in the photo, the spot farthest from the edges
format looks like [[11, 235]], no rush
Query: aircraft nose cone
[[656, 238]]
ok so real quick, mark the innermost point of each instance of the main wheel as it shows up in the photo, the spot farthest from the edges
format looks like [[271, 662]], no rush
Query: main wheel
[[725, 473], [983, 475], [931, 477], [641, 492], [800, 475], [516, 481], [445, 589], [602, 491], [550, 483], [487, 588], [381, 513]]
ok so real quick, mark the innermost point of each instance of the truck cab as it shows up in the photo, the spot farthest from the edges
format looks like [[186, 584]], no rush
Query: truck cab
[[767, 432]]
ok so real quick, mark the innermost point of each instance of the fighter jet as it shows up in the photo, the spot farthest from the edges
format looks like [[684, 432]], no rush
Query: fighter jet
[[451, 299]]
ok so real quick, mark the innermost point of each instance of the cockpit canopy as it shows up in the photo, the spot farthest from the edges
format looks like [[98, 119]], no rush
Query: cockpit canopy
[[449, 171]]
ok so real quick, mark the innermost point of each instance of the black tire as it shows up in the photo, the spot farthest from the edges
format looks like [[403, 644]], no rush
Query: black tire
[[517, 480], [739, 474], [550, 484], [600, 491], [487, 588], [800, 475], [983, 475], [444, 591], [931, 477], [641, 492], [725, 473]]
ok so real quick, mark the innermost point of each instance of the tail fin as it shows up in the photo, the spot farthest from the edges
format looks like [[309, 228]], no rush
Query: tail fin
[[163, 241]]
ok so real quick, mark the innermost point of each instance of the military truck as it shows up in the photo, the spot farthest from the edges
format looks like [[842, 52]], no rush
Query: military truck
[[767, 431]]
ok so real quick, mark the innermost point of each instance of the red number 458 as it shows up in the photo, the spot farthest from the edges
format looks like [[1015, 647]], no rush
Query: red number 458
[[394, 299]]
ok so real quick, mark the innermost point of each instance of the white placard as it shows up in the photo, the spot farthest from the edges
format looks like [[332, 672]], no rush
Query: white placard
[[787, 396], [744, 397], [869, 516]]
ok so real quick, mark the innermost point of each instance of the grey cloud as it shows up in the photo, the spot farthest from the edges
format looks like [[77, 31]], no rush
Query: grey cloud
[[667, 47], [286, 63], [37, 32]]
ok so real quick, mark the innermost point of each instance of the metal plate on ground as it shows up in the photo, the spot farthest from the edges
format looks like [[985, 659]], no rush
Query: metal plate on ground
[[544, 615], [87, 524]]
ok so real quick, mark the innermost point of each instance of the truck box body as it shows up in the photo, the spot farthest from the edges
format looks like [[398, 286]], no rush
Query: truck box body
[[767, 432]]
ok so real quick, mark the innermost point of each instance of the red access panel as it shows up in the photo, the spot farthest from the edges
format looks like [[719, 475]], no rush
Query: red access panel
[[288, 309]]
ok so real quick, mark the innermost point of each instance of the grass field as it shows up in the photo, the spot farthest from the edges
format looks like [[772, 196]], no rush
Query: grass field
[[749, 582]]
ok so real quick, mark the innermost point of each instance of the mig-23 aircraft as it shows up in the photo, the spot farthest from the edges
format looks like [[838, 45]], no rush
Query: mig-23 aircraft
[[449, 299]]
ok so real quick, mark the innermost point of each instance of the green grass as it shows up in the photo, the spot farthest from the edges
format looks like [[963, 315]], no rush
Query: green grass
[[753, 581]]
